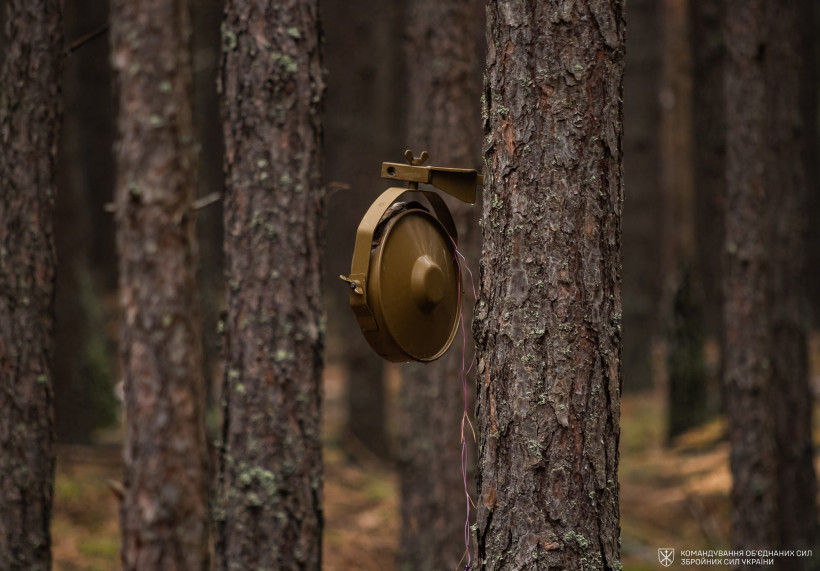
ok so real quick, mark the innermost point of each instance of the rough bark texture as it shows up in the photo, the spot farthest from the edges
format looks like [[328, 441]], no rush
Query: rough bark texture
[[444, 86], [270, 511], [641, 224], [746, 280], [786, 135], [29, 126], [164, 513], [548, 323]]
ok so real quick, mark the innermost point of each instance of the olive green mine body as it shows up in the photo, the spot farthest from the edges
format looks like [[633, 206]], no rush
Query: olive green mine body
[[405, 285]]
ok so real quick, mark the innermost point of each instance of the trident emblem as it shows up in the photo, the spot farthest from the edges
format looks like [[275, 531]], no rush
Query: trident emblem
[[666, 555]]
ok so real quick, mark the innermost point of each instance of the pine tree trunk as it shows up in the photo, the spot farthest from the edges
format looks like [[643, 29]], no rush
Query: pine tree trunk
[[366, 400], [641, 225], [164, 513], [365, 96], [84, 359], [811, 156], [270, 506], [206, 18], [687, 395], [676, 141], [786, 135], [746, 274], [709, 164], [29, 127], [444, 86], [709, 153], [548, 323]]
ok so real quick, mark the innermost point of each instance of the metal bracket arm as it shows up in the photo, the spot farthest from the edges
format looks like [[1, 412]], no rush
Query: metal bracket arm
[[460, 183]]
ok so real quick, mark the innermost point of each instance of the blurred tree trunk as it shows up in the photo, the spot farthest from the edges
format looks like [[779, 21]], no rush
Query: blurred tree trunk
[[641, 227], [85, 354], [548, 323], [444, 86], [746, 275], [709, 150], [30, 80], [362, 129], [811, 154], [206, 18], [687, 394], [709, 158], [272, 85], [164, 513], [366, 400], [786, 135], [772, 453]]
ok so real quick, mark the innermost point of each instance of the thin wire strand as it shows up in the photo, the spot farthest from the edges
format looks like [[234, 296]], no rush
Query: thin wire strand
[[464, 372]]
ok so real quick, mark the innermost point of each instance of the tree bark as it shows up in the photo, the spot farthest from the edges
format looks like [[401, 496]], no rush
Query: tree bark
[[786, 179], [774, 484], [548, 322], [746, 278], [444, 86], [164, 513], [272, 84], [29, 128]]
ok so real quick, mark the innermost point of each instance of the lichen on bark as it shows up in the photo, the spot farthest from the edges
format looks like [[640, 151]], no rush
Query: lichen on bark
[[548, 322], [270, 476]]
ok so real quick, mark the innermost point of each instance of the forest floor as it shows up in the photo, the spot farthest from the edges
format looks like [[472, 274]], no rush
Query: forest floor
[[671, 496]]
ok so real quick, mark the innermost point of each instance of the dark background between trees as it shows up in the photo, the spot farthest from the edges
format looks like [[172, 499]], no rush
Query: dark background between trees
[[719, 297]]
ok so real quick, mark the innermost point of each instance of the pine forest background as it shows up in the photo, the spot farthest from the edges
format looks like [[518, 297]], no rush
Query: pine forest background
[[381, 59]]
